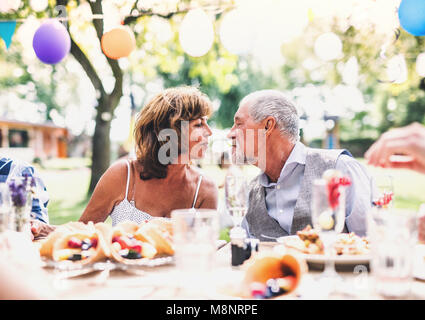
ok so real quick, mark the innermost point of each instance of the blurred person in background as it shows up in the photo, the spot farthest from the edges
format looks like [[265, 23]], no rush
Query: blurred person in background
[[400, 148], [14, 168]]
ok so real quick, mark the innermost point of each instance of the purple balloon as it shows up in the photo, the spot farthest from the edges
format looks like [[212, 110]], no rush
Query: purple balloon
[[51, 42]]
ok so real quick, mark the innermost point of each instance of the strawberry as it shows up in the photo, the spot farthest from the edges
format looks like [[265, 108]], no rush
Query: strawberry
[[127, 243], [93, 242], [74, 243], [334, 182], [384, 200], [123, 241], [136, 246], [258, 289]]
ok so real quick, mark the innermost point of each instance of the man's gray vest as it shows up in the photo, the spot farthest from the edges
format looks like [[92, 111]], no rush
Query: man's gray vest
[[257, 217]]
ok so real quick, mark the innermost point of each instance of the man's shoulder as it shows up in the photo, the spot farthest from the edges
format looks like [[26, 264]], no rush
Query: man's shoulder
[[4, 160], [256, 180], [18, 166], [328, 152]]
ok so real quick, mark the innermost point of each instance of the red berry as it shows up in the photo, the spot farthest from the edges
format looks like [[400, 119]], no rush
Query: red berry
[[74, 242], [94, 242], [123, 241], [137, 248], [257, 289]]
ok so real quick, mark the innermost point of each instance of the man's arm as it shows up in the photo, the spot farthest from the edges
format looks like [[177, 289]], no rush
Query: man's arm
[[358, 194]]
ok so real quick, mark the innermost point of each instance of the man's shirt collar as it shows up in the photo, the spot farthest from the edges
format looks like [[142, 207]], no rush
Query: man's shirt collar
[[297, 156]]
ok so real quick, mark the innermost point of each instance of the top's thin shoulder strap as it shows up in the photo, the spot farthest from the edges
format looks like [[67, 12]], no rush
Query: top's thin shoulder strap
[[128, 178], [197, 191]]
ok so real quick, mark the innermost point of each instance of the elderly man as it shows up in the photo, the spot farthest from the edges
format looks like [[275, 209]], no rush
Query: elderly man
[[280, 197]]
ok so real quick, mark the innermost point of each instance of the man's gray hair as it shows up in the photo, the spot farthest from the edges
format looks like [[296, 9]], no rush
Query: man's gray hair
[[265, 103]]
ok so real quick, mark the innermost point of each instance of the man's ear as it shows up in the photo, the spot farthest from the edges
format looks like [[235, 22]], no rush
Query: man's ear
[[270, 124]]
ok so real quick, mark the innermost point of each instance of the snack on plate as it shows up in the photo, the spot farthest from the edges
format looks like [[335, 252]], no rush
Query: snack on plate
[[163, 223], [125, 247], [46, 247], [79, 243], [126, 243], [271, 274], [351, 244], [157, 234], [309, 242]]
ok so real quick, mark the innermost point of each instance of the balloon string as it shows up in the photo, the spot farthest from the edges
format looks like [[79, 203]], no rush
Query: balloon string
[[93, 17]]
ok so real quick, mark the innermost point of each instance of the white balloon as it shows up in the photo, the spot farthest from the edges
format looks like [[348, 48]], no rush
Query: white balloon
[[39, 5], [420, 64], [9, 5], [196, 33], [235, 33], [328, 46]]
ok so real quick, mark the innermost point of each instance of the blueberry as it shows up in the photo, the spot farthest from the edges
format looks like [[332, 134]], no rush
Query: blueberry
[[268, 293], [75, 257], [272, 288], [133, 255]]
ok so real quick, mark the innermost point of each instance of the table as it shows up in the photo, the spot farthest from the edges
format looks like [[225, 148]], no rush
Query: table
[[166, 282]]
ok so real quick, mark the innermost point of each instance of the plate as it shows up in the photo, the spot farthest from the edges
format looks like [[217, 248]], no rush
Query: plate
[[113, 265], [321, 259]]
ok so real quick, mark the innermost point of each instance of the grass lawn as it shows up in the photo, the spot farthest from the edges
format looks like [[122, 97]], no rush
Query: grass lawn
[[67, 182]]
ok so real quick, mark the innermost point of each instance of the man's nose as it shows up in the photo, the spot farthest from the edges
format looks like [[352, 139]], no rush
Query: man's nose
[[231, 133]]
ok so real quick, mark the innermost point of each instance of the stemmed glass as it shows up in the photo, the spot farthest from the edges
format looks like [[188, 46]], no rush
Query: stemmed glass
[[328, 217], [236, 194], [382, 187]]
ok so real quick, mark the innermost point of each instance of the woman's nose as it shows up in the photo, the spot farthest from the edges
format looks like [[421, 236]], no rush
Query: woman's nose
[[208, 131]]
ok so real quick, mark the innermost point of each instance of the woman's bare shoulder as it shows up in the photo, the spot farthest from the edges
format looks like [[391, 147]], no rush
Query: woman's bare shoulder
[[115, 175]]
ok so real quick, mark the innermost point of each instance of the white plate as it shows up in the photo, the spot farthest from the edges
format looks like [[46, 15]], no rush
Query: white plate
[[339, 260], [71, 266]]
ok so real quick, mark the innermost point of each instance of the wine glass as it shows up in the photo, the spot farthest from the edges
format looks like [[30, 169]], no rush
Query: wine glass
[[328, 217], [236, 194], [382, 187]]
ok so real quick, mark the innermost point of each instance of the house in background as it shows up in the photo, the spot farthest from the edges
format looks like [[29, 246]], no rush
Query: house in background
[[27, 141]]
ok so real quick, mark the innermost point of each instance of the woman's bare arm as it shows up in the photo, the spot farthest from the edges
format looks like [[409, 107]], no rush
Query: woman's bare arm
[[109, 191]]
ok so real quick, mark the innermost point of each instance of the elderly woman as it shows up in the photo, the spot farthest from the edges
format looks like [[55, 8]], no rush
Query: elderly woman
[[170, 132]]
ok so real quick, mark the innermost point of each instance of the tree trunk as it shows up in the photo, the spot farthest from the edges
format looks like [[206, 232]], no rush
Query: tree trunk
[[101, 146]]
